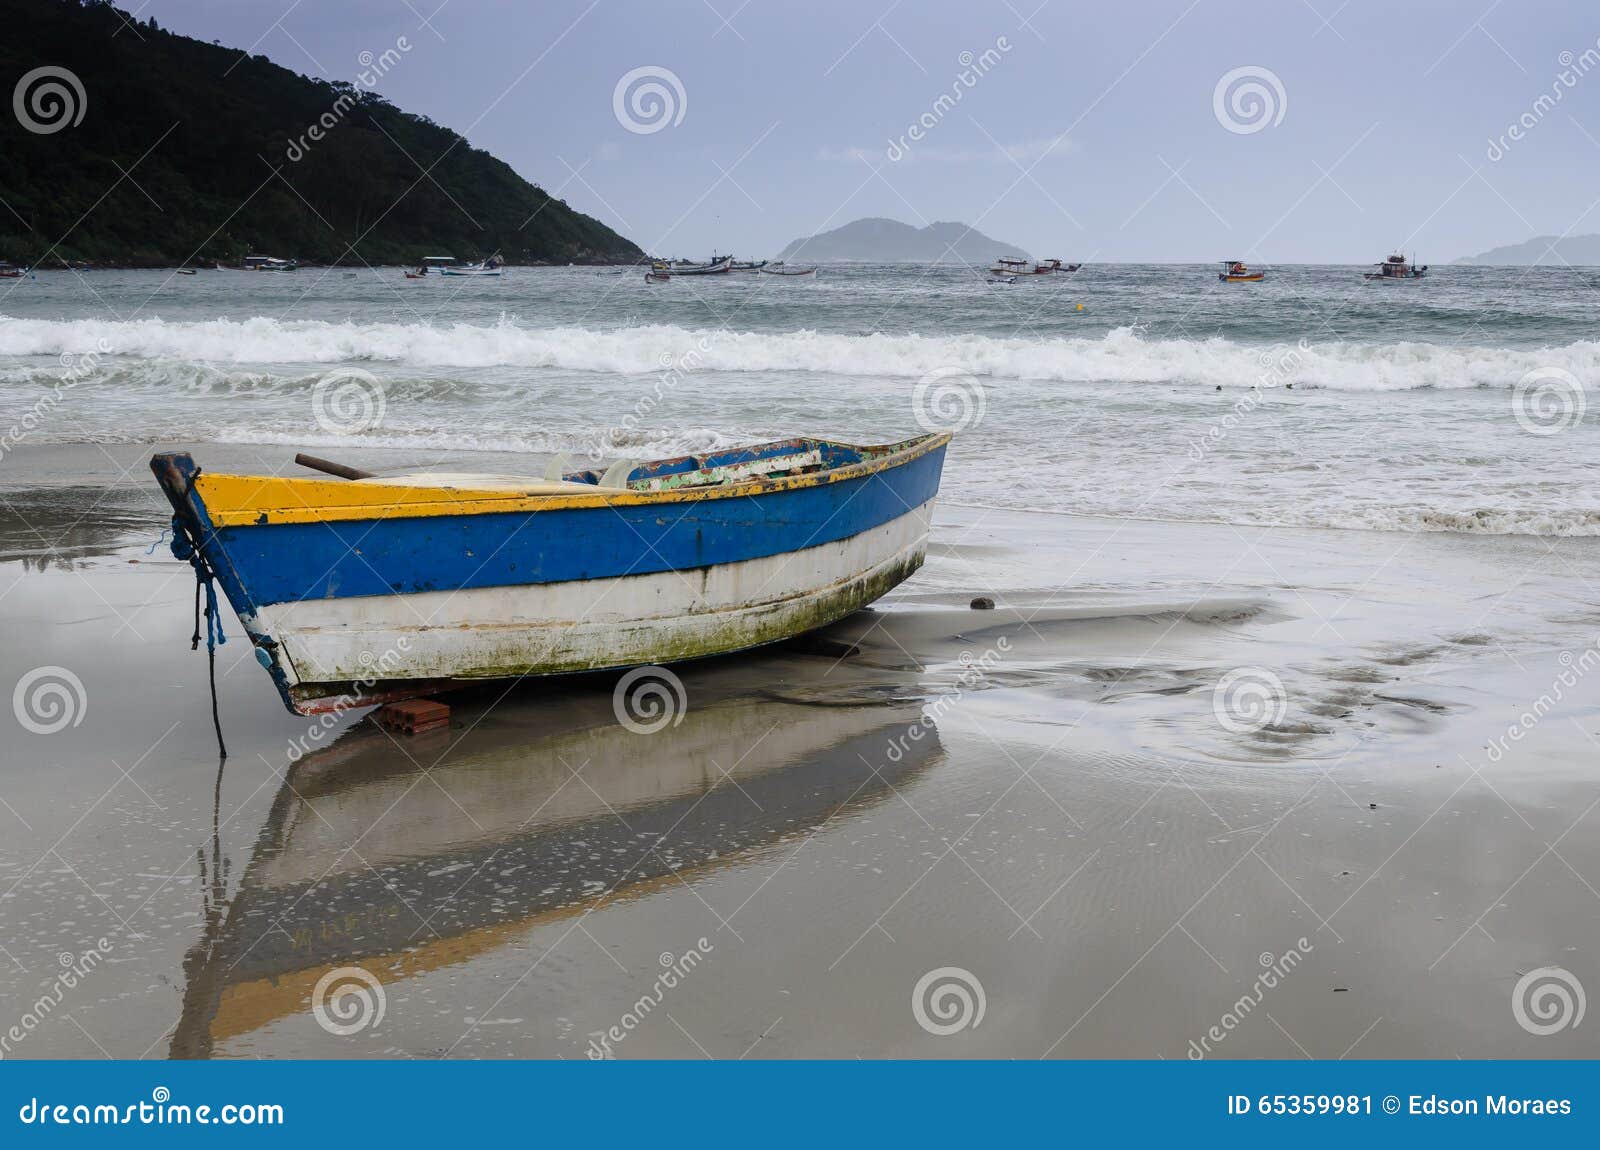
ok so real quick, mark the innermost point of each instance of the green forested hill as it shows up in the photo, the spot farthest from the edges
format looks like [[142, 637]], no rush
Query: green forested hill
[[215, 124]]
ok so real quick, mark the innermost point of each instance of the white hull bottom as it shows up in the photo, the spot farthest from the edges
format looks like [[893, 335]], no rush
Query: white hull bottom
[[552, 628]]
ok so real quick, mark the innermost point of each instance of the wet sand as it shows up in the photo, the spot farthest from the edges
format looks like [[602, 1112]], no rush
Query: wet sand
[[1074, 800]]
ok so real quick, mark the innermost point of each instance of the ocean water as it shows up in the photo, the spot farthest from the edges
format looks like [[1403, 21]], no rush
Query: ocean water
[[1456, 404]]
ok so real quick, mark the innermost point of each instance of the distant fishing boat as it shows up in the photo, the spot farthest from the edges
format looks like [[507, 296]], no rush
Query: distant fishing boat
[[412, 584], [714, 266], [1050, 267], [8, 272], [269, 264], [1009, 267], [747, 266], [186, 271], [1234, 272], [778, 269], [1396, 269]]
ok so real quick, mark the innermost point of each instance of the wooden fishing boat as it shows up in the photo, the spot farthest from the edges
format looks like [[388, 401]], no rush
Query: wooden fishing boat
[[780, 270], [478, 269], [1396, 269], [1234, 272], [381, 588], [748, 266], [1008, 267], [1051, 267], [716, 266], [269, 264]]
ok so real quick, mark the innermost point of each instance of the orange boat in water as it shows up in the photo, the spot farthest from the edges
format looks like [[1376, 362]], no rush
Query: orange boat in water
[[1234, 272]]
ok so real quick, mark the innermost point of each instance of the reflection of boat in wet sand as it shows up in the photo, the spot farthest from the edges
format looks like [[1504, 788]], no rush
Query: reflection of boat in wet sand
[[450, 872]]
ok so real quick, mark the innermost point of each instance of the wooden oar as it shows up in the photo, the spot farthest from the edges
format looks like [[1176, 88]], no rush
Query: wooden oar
[[331, 468]]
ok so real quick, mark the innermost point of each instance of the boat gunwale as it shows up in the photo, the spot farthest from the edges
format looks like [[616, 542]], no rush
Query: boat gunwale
[[465, 501]]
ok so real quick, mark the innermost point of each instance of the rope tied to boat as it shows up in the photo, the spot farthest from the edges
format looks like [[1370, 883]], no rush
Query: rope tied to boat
[[186, 550]]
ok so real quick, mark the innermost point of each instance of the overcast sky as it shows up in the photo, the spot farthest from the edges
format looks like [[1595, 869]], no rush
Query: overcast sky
[[1094, 131]]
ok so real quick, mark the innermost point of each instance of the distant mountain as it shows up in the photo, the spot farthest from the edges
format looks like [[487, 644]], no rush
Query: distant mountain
[[127, 144], [1579, 251], [889, 241]]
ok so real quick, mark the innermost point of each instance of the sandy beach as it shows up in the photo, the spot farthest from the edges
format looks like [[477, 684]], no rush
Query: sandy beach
[[1094, 803]]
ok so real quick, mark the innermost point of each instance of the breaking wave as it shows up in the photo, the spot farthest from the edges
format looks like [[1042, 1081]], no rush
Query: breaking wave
[[1123, 355]]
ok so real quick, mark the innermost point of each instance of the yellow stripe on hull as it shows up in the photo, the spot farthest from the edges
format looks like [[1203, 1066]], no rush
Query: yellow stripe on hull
[[242, 500]]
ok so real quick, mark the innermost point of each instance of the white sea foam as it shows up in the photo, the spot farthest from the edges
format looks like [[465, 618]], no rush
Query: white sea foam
[[1123, 355]]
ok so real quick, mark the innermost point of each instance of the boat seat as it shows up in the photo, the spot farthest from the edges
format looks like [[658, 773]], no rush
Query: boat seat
[[474, 481]]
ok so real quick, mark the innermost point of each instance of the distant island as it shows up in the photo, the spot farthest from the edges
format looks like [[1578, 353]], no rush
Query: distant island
[[879, 240], [1578, 251], [215, 123]]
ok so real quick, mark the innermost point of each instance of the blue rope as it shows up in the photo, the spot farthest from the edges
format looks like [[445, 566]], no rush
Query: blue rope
[[184, 550]]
